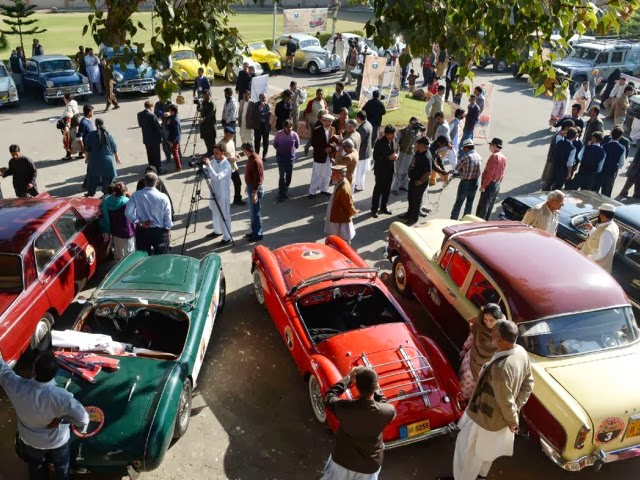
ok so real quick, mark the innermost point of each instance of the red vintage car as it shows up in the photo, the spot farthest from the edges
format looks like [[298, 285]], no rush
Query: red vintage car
[[49, 248], [334, 313]]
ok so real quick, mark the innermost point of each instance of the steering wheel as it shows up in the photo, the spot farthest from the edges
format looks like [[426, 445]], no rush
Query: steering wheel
[[609, 340], [119, 315]]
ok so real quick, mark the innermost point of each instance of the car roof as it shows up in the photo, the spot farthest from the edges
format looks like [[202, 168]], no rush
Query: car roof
[[629, 214], [552, 278], [299, 36], [21, 218], [44, 58]]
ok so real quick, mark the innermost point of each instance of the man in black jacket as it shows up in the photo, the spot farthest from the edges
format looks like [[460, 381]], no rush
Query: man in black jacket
[[151, 135], [450, 77], [208, 122], [340, 99], [375, 110], [23, 171], [385, 154], [419, 173], [243, 83], [283, 109]]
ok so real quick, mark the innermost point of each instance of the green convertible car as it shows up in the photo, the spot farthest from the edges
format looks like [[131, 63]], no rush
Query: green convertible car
[[153, 316]]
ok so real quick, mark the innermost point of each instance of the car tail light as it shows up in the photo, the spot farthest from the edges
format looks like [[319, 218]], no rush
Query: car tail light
[[542, 423], [582, 437]]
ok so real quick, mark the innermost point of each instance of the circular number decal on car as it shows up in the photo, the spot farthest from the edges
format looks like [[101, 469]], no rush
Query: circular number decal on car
[[96, 422], [609, 430]]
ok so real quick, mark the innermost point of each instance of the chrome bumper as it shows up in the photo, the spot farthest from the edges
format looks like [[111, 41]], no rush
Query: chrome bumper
[[53, 93], [449, 429], [597, 459]]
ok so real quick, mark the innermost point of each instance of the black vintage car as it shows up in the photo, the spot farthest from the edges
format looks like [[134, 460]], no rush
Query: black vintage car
[[581, 204]]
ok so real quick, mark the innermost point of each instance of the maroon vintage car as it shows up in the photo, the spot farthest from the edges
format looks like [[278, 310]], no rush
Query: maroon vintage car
[[49, 248]]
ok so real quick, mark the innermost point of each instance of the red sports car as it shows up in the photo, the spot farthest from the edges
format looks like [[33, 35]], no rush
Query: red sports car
[[49, 248], [334, 313]]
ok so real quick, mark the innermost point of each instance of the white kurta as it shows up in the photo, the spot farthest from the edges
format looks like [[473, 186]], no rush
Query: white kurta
[[220, 175], [93, 68], [401, 173], [346, 231], [321, 173], [364, 166]]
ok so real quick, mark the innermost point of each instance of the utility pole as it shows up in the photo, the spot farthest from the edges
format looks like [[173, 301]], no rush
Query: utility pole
[[275, 13], [335, 7]]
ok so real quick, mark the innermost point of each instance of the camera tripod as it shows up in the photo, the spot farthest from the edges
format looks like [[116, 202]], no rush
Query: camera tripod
[[196, 196], [194, 130]]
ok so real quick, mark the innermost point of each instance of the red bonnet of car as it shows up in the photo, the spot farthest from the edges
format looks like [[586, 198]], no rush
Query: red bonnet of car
[[301, 261]]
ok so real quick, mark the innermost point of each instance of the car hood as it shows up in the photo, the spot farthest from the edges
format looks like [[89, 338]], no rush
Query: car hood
[[63, 78], [610, 396], [190, 66], [572, 63], [315, 50], [132, 72], [263, 53], [128, 410]]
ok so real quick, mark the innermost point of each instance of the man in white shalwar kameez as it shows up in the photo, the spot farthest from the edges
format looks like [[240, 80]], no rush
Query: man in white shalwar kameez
[[219, 173], [488, 426]]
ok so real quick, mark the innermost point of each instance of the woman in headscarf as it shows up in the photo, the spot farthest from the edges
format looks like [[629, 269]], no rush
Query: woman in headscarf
[[101, 158], [115, 222], [70, 130], [611, 82], [478, 349], [583, 97]]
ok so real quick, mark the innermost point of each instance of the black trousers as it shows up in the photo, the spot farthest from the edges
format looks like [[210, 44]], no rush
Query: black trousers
[[584, 181], [260, 134], [374, 134], [166, 148], [487, 200], [153, 154], [237, 186], [604, 183], [414, 198], [447, 90], [381, 191], [153, 240], [26, 192], [210, 142], [285, 169]]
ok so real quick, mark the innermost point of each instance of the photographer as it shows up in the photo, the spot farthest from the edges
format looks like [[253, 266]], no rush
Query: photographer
[[407, 144], [207, 121], [200, 85], [219, 172]]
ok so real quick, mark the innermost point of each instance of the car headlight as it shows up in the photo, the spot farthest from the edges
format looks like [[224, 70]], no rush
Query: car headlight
[[209, 71], [85, 80], [13, 92], [118, 76], [184, 74], [49, 84], [157, 75], [276, 63]]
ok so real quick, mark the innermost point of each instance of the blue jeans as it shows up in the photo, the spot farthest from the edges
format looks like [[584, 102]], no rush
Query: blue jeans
[[255, 211], [285, 168], [466, 191], [39, 459]]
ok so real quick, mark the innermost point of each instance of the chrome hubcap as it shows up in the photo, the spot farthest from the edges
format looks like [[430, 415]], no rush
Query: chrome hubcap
[[316, 399], [400, 275], [257, 285], [184, 408]]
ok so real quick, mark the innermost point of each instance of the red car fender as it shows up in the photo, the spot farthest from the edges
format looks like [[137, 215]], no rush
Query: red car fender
[[344, 248], [265, 258], [325, 371], [443, 369]]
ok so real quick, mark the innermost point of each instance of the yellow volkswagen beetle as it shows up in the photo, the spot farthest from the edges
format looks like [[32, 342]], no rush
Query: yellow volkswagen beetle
[[270, 61], [185, 64]]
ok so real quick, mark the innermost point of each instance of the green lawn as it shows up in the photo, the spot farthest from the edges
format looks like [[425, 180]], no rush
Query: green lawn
[[64, 30]]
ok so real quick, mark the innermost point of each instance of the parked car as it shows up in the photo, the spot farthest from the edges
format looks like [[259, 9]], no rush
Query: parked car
[[8, 90], [365, 46], [232, 69], [161, 309], [268, 60], [132, 78], [49, 248], [604, 54], [310, 55], [334, 313], [53, 76], [185, 64], [580, 205], [574, 320]]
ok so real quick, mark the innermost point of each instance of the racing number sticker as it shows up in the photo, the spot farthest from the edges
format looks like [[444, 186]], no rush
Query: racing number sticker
[[288, 335], [96, 422], [609, 429]]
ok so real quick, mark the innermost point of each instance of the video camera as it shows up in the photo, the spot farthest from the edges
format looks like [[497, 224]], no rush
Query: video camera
[[197, 162], [418, 127]]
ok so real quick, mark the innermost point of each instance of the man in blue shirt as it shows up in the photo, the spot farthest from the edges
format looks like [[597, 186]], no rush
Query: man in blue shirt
[[150, 211], [44, 411]]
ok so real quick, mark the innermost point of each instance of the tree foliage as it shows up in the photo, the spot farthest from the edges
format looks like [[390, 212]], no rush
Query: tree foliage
[[18, 20], [471, 29]]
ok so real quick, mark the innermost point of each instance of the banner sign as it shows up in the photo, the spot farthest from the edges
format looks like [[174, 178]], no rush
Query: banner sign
[[304, 20], [482, 127], [377, 75], [259, 85]]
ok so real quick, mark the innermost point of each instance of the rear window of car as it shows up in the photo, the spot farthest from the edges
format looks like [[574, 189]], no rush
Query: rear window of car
[[456, 265], [10, 273], [580, 333], [68, 225], [481, 291]]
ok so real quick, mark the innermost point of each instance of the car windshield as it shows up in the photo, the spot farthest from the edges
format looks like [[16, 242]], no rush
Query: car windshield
[[185, 55], [56, 65], [309, 43], [256, 46], [580, 333], [584, 53], [10, 273], [147, 295], [3, 71]]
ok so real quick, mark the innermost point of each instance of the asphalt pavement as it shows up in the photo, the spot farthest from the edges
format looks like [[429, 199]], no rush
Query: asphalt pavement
[[251, 416]]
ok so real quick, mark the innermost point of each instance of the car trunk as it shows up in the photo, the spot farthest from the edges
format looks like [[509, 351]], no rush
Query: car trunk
[[404, 374], [127, 397], [606, 390]]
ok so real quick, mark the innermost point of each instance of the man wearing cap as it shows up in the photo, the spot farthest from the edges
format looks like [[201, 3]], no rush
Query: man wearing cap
[[544, 216], [365, 151], [406, 147], [419, 173], [323, 148], [491, 177], [358, 449], [600, 245], [348, 159], [219, 172], [468, 168], [340, 210], [207, 122]]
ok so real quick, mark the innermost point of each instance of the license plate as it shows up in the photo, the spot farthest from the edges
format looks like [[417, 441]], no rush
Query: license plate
[[415, 429], [633, 430]]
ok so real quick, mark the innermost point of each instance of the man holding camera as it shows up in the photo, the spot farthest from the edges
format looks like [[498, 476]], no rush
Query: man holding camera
[[207, 122], [219, 173]]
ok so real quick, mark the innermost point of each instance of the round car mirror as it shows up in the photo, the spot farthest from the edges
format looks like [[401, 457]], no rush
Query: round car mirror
[[384, 276], [82, 300]]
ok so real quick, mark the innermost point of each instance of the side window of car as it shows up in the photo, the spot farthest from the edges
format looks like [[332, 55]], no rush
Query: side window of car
[[616, 57], [602, 58], [632, 252], [284, 41], [31, 67], [456, 265], [68, 225], [481, 291], [46, 247]]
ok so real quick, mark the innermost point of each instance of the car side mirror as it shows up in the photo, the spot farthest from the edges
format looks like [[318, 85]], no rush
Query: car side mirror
[[82, 300], [384, 276]]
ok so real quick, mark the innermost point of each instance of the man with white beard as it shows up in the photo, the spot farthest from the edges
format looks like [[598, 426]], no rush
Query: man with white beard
[[219, 173]]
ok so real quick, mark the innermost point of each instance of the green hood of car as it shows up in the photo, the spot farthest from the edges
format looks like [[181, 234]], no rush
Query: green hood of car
[[128, 410]]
